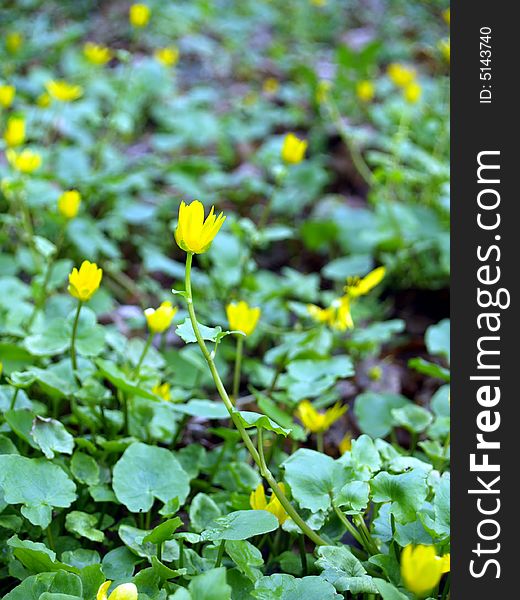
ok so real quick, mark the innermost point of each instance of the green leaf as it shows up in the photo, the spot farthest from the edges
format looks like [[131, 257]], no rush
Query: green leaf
[[374, 412], [428, 368], [36, 557], [313, 476], [147, 472], [388, 591], [206, 409], [344, 571], [252, 419], [246, 557], [407, 492], [84, 525], [281, 586], [164, 531], [51, 436], [36, 484], [350, 266], [84, 468], [240, 525], [118, 378], [437, 339], [412, 417], [354, 496], [186, 333], [203, 510], [210, 585]]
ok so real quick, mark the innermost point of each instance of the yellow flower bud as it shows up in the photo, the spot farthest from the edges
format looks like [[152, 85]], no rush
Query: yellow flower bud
[[445, 48], [7, 93], [242, 317], [68, 203], [163, 391], [84, 283], [97, 54], [13, 41], [422, 569], [159, 319], [357, 286], [168, 57], [193, 233], [258, 501], [412, 92], [63, 91], [125, 591], [139, 15], [365, 90], [315, 421], [14, 134], [400, 75], [270, 86], [43, 100], [25, 161], [293, 149]]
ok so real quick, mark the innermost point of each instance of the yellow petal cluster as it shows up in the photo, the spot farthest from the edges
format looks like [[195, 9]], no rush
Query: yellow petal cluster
[[84, 283], [365, 90], [25, 161], [139, 15], [422, 569], [293, 149], [159, 319], [43, 100], [96, 53], [7, 93], [242, 317], [400, 75], [125, 591], [412, 92], [69, 203], [162, 390], [337, 315], [168, 57], [360, 286], [317, 422], [14, 134], [13, 41], [258, 501], [193, 233], [63, 91]]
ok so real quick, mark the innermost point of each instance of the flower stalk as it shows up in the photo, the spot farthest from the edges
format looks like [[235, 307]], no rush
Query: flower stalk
[[238, 365], [73, 359], [257, 455]]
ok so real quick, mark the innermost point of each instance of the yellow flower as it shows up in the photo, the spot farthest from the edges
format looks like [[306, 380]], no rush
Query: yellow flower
[[445, 48], [258, 501], [159, 319], [125, 591], [400, 75], [242, 317], [13, 41], [270, 86], [337, 315], [7, 93], [162, 390], [63, 91], [68, 203], [84, 283], [315, 421], [14, 134], [422, 569], [168, 57], [193, 233], [357, 286], [25, 161], [43, 100], [346, 443], [446, 15], [139, 15], [293, 149], [97, 54], [322, 90], [412, 92], [365, 90]]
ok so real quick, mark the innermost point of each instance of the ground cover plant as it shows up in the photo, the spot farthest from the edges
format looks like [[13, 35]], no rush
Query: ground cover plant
[[224, 264]]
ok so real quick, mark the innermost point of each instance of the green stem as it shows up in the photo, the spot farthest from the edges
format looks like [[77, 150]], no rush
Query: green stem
[[73, 337], [349, 527], [257, 457], [238, 364], [13, 399], [303, 555], [360, 522], [143, 354], [319, 441], [220, 554]]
